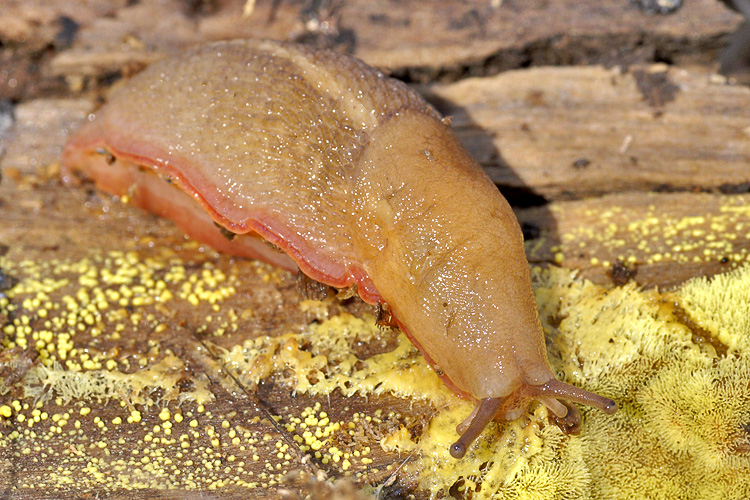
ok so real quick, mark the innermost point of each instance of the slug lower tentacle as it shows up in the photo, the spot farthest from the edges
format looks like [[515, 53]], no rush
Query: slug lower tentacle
[[509, 407], [354, 179]]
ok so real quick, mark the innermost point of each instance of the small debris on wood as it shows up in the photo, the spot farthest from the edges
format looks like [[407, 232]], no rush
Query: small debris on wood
[[622, 272], [6, 281], [581, 163], [662, 7], [655, 87]]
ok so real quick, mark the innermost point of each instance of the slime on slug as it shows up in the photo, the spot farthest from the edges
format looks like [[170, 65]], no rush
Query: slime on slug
[[358, 181]]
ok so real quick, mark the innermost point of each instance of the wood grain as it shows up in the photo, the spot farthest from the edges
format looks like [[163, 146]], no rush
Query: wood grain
[[617, 164], [49, 48]]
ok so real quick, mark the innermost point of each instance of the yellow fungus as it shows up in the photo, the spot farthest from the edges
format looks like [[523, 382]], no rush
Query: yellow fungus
[[536, 461]]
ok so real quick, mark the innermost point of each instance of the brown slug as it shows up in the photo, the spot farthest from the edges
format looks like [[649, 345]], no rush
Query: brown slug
[[359, 182]]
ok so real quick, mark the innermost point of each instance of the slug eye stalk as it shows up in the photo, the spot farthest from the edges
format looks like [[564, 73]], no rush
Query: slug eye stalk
[[470, 428], [509, 407]]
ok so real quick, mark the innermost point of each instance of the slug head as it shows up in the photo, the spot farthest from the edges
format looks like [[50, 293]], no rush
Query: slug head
[[511, 406]]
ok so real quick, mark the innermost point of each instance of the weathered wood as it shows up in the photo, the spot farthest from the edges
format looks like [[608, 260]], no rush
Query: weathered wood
[[58, 235], [555, 133], [572, 132], [655, 239], [50, 46]]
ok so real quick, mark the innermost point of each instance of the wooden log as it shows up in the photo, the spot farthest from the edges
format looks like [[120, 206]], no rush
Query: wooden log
[[51, 47], [567, 133], [73, 250]]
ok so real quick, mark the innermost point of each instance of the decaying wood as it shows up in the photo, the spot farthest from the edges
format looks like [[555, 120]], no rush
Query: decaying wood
[[49, 47], [655, 129], [629, 171]]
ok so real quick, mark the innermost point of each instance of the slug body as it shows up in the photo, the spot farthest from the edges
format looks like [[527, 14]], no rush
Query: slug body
[[358, 181]]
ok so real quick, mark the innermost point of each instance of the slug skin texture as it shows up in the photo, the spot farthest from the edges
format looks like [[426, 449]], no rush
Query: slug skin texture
[[357, 180]]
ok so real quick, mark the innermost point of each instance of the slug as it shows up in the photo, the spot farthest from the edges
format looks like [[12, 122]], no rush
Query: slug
[[354, 180]]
